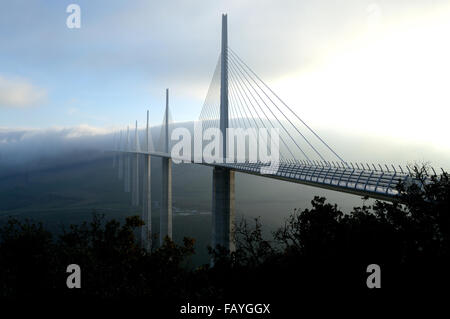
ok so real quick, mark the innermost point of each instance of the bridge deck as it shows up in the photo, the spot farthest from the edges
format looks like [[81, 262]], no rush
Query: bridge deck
[[372, 183]]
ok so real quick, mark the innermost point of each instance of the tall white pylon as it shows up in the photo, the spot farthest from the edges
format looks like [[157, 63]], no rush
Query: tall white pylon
[[223, 209], [165, 229], [146, 196]]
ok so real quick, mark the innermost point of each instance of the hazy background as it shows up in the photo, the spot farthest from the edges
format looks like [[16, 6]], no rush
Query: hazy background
[[374, 71], [371, 77]]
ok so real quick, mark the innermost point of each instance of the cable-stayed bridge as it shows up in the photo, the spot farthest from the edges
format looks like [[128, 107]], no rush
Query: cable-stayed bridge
[[239, 99]]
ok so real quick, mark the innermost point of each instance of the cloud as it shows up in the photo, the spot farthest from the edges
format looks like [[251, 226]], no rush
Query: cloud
[[17, 93], [19, 146], [22, 145], [85, 130]]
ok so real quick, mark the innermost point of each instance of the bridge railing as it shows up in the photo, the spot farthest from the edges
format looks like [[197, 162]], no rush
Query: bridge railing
[[360, 181]]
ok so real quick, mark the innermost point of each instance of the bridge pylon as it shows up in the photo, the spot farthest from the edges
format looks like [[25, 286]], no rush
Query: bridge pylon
[[135, 179], [146, 232], [223, 209], [165, 228], [127, 163]]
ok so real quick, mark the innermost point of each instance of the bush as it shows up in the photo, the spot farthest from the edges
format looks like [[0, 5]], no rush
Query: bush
[[317, 250]]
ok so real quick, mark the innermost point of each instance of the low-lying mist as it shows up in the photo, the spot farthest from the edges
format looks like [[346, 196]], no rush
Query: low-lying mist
[[32, 146]]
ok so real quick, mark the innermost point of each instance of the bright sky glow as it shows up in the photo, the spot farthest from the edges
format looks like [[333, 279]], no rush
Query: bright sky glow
[[392, 83]]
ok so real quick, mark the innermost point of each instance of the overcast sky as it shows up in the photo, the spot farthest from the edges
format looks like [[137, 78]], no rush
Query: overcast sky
[[379, 68]]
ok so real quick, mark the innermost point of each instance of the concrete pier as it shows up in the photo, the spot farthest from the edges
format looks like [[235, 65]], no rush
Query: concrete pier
[[223, 179], [127, 163], [135, 186], [146, 231], [165, 228], [166, 200], [223, 209], [135, 179], [147, 205], [120, 157]]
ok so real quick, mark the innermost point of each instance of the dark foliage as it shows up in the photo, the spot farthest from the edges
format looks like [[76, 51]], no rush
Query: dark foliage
[[32, 263], [318, 251]]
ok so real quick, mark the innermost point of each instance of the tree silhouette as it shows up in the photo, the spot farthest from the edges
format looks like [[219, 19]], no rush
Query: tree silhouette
[[318, 251]]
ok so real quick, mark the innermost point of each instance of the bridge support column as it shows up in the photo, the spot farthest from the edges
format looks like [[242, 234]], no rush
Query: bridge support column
[[223, 178], [128, 173], [135, 181], [120, 158], [223, 209], [147, 205], [146, 231], [127, 164], [165, 228]]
